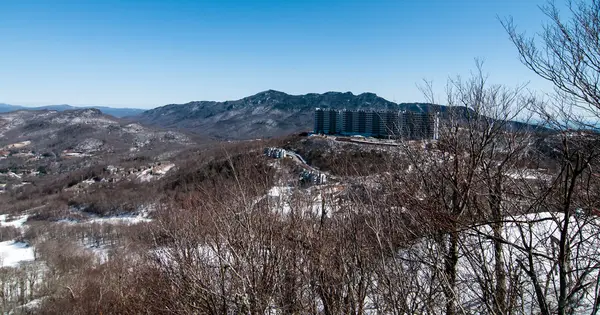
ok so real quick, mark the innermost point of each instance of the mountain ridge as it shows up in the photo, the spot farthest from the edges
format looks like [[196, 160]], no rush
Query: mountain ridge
[[268, 113], [113, 111]]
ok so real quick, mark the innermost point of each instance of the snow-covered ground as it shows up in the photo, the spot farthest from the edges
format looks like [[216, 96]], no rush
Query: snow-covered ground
[[423, 261], [163, 169], [155, 172], [122, 219], [142, 215], [18, 145], [279, 191], [118, 219], [283, 200], [530, 174], [75, 154], [13, 175], [18, 222], [12, 253]]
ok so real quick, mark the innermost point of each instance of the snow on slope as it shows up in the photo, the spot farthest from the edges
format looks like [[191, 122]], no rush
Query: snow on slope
[[154, 172], [282, 200], [141, 215], [18, 223], [122, 219], [529, 174], [12, 253], [424, 261]]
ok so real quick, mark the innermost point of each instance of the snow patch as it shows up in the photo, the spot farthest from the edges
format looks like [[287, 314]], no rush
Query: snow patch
[[18, 145], [278, 191], [12, 253], [18, 223], [283, 201], [526, 174], [163, 169], [122, 219], [14, 175], [154, 172], [145, 176]]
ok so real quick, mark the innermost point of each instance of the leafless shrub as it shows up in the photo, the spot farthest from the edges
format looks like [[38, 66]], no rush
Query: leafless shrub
[[9, 233]]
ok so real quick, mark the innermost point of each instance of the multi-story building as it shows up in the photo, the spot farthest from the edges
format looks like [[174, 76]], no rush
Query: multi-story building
[[404, 124], [313, 177], [327, 121], [277, 153]]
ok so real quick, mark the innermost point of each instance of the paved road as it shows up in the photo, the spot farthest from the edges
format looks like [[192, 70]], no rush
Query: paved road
[[298, 158]]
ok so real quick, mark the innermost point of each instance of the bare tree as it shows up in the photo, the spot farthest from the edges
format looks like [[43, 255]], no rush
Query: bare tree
[[461, 182], [566, 53]]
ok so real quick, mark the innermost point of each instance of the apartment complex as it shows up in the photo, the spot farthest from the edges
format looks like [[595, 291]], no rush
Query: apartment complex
[[403, 124]]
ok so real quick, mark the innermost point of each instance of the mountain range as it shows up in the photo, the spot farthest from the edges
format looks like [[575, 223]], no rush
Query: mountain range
[[266, 114], [116, 112]]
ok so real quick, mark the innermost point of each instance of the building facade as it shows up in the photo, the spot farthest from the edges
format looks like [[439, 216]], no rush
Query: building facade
[[403, 124]]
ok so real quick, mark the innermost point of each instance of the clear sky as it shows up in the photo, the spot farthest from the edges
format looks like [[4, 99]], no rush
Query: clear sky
[[151, 53]]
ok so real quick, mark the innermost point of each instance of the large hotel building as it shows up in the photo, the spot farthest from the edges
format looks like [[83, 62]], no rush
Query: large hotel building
[[402, 124]]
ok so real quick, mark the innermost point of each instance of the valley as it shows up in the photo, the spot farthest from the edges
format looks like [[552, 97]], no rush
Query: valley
[[88, 196], [251, 157]]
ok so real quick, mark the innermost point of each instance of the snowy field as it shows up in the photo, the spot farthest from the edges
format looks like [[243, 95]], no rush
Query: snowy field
[[13, 253], [536, 234], [18, 222], [282, 200]]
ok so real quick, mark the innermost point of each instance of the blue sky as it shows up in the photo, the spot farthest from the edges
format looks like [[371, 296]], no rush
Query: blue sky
[[151, 53]]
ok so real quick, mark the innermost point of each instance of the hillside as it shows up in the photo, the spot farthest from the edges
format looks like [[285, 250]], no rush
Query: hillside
[[266, 114], [81, 133]]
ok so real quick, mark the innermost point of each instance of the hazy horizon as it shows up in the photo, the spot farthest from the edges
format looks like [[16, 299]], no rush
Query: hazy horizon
[[96, 105], [128, 54]]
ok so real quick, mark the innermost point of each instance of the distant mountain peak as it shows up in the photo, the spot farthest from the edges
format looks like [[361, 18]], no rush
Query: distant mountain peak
[[368, 94], [267, 93], [271, 91]]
